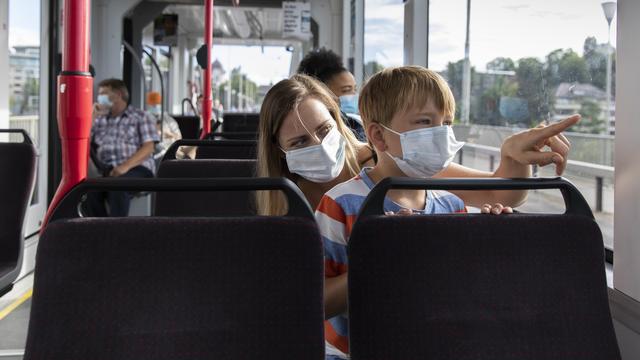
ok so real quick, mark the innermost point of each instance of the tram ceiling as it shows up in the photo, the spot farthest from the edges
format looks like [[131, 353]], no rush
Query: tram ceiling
[[230, 22]]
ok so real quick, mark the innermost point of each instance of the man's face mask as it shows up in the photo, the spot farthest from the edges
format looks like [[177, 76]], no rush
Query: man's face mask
[[155, 110], [103, 99], [349, 104], [427, 151]]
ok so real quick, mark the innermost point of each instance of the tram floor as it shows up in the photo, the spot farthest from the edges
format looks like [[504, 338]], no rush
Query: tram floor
[[15, 308], [13, 328]]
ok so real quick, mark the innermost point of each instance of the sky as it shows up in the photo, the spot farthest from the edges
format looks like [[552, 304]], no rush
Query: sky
[[24, 27], [263, 68], [508, 28]]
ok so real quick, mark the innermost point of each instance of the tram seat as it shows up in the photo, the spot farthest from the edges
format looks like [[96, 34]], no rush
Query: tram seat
[[246, 135], [179, 288], [189, 125], [18, 167], [241, 122], [473, 286], [216, 149], [197, 203]]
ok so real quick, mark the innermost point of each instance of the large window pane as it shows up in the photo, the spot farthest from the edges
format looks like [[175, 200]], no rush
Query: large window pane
[[383, 35], [24, 70], [242, 75], [24, 65], [533, 61]]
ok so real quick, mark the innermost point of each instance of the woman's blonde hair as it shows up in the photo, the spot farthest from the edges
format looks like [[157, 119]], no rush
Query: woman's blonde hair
[[283, 98]]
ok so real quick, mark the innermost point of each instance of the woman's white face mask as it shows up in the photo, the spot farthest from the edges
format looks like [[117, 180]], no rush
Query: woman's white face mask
[[427, 151], [319, 163]]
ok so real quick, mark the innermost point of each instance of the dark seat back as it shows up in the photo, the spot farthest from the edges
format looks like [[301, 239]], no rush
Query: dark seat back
[[216, 149], [17, 169], [207, 203], [472, 286], [241, 122], [178, 288], [189, 125]]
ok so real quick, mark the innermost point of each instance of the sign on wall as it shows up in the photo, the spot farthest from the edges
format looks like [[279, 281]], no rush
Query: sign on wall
[[297, 20]]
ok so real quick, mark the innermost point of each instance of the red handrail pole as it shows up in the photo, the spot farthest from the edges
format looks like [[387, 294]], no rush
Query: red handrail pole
[[207, 101], [75, 96]]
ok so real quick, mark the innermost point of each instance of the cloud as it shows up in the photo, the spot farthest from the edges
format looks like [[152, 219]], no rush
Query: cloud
[[558, 14], [516, 7], [23, 37]]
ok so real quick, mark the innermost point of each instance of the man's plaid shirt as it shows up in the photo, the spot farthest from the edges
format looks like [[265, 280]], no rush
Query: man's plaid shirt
[[120, 137]]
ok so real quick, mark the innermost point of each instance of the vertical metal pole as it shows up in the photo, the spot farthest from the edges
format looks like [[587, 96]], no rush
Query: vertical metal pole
[[466, 73], [207, 101], [599, 187], [608, 116], [75, 99], [492, 161]]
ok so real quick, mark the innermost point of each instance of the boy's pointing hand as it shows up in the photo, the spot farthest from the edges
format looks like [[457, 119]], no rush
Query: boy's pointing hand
[[527, 147]]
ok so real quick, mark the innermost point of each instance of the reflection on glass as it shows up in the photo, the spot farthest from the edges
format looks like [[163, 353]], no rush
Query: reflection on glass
[[525, 71]]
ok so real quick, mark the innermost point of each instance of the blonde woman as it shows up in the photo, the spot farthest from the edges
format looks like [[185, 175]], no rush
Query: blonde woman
[[303, 138]]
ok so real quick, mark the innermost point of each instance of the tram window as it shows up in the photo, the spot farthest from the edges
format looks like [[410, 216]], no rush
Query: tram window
[[242, 75], [24, 72], [532, 61], [383, 35]]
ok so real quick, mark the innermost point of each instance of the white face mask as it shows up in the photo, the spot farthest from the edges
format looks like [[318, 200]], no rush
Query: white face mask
[[427, 151], [319, 163], [103, 99], [155, 110]]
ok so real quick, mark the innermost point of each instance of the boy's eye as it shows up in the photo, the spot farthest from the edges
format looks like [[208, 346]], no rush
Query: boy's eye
[[424, 121], [448, 122]]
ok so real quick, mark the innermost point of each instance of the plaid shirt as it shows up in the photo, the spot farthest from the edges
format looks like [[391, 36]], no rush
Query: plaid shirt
[[120, 137]]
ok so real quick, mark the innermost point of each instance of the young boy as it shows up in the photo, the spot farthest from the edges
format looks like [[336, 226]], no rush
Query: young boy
[[407, 113]]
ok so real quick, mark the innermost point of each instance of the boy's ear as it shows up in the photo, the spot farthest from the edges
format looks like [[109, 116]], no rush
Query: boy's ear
[[376, 138]]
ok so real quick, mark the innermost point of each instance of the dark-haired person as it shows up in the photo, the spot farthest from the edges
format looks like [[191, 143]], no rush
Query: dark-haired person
[[326, 66], [124, 138]]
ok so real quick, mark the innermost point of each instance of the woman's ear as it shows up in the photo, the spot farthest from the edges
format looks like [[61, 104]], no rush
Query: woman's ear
[[375, 134]]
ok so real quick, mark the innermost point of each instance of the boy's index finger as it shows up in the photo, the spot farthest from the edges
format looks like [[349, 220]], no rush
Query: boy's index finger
[[560, 126]]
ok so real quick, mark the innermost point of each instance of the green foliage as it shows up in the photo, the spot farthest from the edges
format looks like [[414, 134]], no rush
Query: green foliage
[[536, 82], [371, 68], [249, 88], [531, 86], [595, 56], [501, 63], [591, 122]]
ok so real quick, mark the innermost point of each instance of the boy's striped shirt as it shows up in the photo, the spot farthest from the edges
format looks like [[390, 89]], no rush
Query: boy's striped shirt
[[335, 215]]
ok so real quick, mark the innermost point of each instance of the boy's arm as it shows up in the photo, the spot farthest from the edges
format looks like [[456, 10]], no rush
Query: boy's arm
[[481, 197], [331, 222], [335, 295], [518, 152]]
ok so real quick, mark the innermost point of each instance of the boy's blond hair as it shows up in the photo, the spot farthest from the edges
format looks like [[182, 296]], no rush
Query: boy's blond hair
[[399, 89]]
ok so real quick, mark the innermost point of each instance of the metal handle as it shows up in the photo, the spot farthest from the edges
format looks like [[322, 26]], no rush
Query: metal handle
[[25, 134], [298, 205], [171, 151], [233, 135], [575, 204]]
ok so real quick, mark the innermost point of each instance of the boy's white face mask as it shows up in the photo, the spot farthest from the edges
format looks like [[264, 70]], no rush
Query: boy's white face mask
[[319, 163], [427, 151]]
